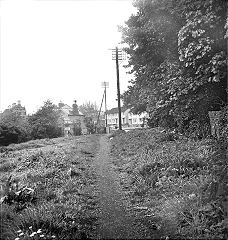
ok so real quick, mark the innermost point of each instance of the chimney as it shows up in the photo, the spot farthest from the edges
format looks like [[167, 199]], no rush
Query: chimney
[[61, 105], [75, 108]]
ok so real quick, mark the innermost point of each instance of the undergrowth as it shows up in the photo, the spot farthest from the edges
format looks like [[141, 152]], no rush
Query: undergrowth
[[182, 183], [58, 174]]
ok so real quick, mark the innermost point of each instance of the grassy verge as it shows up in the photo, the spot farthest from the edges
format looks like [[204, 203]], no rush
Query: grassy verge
[[176, 188], [64, 201]]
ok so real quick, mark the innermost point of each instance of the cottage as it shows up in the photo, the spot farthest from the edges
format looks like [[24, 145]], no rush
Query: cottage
[[72, 120]]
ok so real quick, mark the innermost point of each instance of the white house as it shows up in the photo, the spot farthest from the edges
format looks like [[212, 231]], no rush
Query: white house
[[128, 119]]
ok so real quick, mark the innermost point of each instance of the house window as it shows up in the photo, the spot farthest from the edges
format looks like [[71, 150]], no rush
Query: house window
[[123, 120]]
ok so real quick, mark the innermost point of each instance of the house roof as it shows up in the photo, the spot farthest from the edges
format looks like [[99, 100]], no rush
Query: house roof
[[69, 110], [72, 114], [115, 110]]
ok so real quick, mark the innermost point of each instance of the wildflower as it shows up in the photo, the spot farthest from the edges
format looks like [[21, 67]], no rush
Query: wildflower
[[30, 227], [191, 196], [41, 235], [17, 239], [21, 234], [33, 234], [19, 231], [53, 236], [39, 231]]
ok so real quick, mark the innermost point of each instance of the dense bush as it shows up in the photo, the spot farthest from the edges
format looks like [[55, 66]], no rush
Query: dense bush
[[44, 122], [100, 129], [90, 125], [9, 135], [16, 128], [13, 128]]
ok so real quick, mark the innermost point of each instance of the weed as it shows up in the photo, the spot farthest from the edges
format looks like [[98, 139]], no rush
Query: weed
[[183, 182]]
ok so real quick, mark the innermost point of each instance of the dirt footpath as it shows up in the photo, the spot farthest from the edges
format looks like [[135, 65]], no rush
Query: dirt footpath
[[114, 222]]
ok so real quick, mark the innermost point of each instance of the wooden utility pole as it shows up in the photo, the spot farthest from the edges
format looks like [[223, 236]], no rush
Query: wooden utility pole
[[118, 54], [98, 118], [118, 88], [105, 85], [106, 121]]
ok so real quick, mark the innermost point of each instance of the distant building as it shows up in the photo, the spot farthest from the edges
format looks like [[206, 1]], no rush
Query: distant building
[[17, 108], [71, 117], [128, 119]]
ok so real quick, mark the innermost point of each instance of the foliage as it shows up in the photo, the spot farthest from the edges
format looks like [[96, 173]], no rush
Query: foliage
[[14, 128], [100, 129], [177, 52], [89, 125], [223, 124], [9, 134], [90, 110], [181, 183], [44, 122]]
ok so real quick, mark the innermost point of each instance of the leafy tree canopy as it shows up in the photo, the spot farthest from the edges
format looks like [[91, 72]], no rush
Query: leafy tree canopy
[[45, 122], [178, 55], [89, 109], [14, 127]]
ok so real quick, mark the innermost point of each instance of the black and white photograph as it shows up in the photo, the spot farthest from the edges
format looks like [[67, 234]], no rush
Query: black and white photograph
[[113, 119]]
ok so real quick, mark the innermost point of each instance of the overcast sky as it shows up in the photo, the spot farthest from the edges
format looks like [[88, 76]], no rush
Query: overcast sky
[[58, 50]]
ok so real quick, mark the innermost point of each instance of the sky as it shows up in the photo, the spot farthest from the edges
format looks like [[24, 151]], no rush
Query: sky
[[59, 50]]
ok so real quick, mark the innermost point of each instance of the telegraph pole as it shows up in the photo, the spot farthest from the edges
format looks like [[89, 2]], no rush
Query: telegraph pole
[[118, 88], [98, 118], [118, 54], [105, 85], [106, 121]]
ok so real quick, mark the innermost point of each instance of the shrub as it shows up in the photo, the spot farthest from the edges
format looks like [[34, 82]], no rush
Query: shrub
[[44, 122], [89, 125], [101, 129], [12, 134], [13, 128]]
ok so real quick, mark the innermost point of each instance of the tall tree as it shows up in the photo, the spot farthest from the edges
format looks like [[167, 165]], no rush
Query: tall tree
[[90, 110], [14, 127], [45, 122], [178, 56]]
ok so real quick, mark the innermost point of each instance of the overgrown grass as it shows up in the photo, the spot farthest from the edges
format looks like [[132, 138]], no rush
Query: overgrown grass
[[60, 172], [181, 184]]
